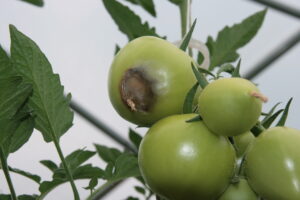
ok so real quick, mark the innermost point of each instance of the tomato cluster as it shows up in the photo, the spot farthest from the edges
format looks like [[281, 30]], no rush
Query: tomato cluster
[[216, 157]]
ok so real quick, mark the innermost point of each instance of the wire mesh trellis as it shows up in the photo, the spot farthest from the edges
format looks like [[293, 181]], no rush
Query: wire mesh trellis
[[282, 49]]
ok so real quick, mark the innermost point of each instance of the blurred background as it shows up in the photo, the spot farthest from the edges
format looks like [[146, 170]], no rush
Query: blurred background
[[79, 38]]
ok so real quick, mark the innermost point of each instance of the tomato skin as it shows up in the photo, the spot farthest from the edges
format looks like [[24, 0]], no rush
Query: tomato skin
[[181, 161], [167, 70], [273, 164], [239, 191], [227, 106], [242, 142]]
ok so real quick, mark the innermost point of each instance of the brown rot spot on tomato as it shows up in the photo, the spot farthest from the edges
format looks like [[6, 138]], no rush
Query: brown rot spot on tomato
[[136, 90]]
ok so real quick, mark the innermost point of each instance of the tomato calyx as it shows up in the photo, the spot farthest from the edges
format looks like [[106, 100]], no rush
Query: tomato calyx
[[136, 90]]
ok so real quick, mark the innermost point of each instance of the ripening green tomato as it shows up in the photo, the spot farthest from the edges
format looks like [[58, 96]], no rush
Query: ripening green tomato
[[239, 191], [149, 79], [273, 164], [185, 161], [230, 106], [242, 142]]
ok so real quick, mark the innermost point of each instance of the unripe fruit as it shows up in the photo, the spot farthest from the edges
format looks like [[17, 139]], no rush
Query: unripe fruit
[[230, 106], [185, 161], [272, 164], [149, 79], [239, 191]]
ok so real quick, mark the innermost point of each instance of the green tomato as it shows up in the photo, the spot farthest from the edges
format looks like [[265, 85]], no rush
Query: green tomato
[[230, 106], [185, 161], [273, 164], [149, 79], [239, 191], [242, 142]]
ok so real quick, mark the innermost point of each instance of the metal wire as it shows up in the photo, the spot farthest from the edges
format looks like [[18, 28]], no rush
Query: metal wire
[[275, 55], [280, 7], [101, 126]]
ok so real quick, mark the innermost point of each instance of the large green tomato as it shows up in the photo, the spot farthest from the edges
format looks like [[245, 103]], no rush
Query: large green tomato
[[273, 164], [230, 106], [239, 191], [149, 79], [185, 161]]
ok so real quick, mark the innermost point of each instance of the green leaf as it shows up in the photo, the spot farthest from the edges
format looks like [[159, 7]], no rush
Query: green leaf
[[49, 164], [195, 119], [200, 58], [199, 76], [5, 196], [236, 71], [21, 135], [92, 184], [6, 69], [205, 71], [177, 2], [126, 166], [39, 3], [117, 49], [132, 198], [187, 38], [135, 138], [148, 5], [53, 114], [228, 68], [107, 154], [31, 176], [189, 99], [128, 22], [47, 186], [140, 190], [133, 1], [285, 113], [76, 158], [223, 49], [268, 122], [269, 114], [88, 171]]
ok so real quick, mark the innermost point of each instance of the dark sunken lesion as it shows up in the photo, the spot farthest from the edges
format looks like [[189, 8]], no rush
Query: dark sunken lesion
[[136, 90]]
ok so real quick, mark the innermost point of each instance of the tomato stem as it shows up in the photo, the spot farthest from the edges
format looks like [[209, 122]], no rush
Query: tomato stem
[[185, 18], [3, 159], [66, 167]]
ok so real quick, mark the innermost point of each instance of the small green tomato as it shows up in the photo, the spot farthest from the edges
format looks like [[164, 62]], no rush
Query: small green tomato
[[230, 106], [272, 164], [185, 161], [149, 79], [239, 191]]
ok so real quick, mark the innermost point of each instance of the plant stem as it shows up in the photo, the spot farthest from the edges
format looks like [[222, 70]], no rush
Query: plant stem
[[7, 176], [185, 18], [183, 7], [66, 167]]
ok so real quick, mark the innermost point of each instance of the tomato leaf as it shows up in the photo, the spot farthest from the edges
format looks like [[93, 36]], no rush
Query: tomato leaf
[[285, 113], [269, 120], [135, 138], [21, 135], [187, 38], [6, 68], [92, 184], [148, 5], [229, 39], [228, 68], [177, 2], [269, 114], [20, 197], [88, 171], [39, 3], [125, 166], [189, 99], [107, 154], [53, 114], [199, 76], [31, 176], [117, 49], [236, 71], [140, 190], [76, 158], [49, 164], [132, 198], [128, 22]]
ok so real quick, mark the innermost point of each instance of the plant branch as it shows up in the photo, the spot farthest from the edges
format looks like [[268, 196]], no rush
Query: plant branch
[[7, 176], [66, 167]]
